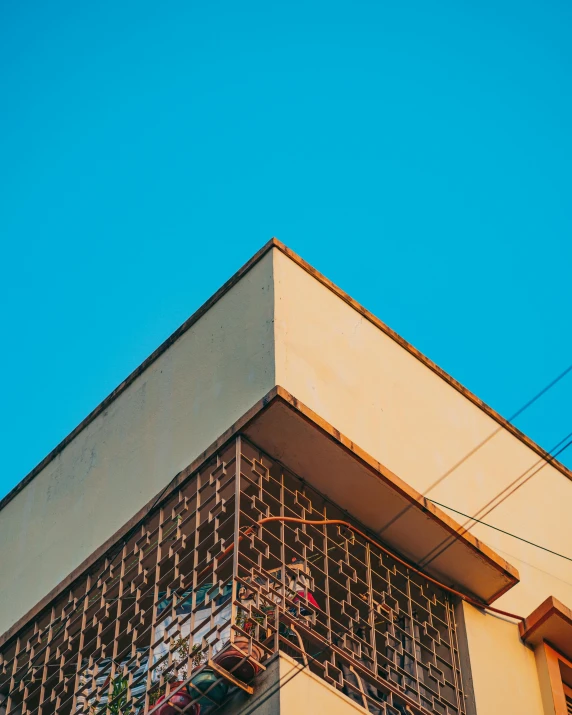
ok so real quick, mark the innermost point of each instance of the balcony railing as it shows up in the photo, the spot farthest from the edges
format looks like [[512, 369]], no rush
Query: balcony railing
[[189, 606]]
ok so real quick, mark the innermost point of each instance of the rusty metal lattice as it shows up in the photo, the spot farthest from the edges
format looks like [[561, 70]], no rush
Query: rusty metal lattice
[[356, 617], [175, 618]]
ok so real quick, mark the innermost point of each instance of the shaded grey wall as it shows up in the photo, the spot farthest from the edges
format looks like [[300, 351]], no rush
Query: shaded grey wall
[[172, 412]]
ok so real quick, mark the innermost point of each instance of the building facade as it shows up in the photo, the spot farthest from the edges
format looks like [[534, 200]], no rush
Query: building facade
[[276, 512]]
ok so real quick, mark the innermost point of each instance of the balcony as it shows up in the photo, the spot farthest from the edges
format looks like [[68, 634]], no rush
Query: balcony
[[191, 605]]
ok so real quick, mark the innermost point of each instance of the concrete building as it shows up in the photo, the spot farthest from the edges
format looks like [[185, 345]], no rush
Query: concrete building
[[268, 516]]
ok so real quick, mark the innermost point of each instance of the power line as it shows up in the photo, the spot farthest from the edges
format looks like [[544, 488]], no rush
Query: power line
[[539, 394], [437, 550], [548, 461], [496, 528], [479, 446], [533, 566], [510, 420]]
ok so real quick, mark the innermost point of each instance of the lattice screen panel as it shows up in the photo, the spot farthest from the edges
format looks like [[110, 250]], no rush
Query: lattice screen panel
[[176, 612], [366, 624]]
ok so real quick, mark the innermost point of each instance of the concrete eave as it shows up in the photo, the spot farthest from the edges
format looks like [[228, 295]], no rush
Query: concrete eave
[[412, 526], [550, 622], [402, 518]]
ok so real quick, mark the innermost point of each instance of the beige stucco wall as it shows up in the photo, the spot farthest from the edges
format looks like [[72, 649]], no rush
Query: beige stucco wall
[[210, 377], [503, 672], [380, 396]]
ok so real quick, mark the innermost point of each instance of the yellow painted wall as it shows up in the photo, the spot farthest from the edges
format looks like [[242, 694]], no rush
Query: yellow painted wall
[[209, 378], [380, 396], [503, 671]]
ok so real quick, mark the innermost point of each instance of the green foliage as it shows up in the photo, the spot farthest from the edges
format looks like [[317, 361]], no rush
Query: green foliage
[[117, 702]]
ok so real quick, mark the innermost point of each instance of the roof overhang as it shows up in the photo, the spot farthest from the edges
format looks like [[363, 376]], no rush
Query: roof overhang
[[550, 622], [291, 433], [404, 520]]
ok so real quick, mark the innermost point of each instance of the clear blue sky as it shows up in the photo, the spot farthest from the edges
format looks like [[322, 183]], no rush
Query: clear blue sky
[[419, 154]]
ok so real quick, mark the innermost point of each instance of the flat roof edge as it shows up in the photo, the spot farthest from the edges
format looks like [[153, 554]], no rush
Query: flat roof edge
[[497, 417], [415, 499], [275, 243], [130, 379]]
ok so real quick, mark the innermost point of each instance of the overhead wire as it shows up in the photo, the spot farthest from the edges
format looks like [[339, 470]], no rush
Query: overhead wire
[[496, 528], [482, 512], [545, 461], [540, 394], [481, 444], [551, 458], [520, 560]]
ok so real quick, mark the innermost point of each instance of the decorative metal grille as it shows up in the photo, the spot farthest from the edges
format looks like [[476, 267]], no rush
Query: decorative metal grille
[[191, 603]]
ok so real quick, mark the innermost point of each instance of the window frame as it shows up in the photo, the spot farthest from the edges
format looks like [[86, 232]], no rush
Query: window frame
[[560, 682]]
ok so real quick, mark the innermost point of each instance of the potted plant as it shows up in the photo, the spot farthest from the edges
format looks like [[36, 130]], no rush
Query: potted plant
[[181, 699], [235, 656], [117, 700]]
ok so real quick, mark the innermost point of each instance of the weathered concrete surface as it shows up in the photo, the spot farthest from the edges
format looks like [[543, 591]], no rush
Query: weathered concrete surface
[[193, 392]]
